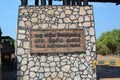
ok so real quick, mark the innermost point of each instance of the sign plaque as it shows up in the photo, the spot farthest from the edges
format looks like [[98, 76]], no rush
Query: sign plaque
[[46, 41]]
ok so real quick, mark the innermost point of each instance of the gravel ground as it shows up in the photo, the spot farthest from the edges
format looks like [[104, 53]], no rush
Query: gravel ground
[[108, 58]]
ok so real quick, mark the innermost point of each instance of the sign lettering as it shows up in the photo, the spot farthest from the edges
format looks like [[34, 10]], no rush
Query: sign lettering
[[44, 41]]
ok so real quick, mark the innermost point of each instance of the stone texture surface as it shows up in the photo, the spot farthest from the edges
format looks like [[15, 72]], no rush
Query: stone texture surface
[[55, 66]]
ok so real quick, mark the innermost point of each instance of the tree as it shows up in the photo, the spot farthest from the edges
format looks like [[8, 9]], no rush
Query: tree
[[109, 42]]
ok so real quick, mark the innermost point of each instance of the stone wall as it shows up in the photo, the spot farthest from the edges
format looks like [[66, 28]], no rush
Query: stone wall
[[55, 66]]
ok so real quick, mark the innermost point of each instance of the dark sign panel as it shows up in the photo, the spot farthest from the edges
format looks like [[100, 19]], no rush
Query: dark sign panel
[[44, 41]]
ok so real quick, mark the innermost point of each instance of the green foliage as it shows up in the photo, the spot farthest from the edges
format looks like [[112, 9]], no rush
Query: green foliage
[[109, 43]]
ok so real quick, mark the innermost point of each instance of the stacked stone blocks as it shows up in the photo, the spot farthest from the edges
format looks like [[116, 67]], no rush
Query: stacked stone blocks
[[55, 66]]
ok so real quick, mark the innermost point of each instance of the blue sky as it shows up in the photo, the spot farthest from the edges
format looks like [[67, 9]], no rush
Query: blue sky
[[106, 17]]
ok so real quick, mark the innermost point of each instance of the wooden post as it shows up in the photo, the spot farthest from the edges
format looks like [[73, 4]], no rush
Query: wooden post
[[79, 2], [73, 2], [43, 2], [68, 2], [50, 2], [24, 2], [36, 2], [64, 2], [85, 2]]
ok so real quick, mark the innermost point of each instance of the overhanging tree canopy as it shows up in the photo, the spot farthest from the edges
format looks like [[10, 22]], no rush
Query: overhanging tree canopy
[[109, 42]]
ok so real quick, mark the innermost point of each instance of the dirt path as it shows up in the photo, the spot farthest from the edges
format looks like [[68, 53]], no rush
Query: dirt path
[[108, 58]]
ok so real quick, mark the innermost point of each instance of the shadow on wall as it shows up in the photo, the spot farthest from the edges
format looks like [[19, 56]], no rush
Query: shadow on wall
[[9, 72], [104, 71]]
